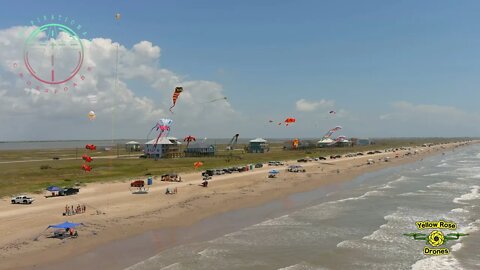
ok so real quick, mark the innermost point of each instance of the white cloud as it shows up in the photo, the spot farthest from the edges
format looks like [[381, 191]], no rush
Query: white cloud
[[409, 119], [27, 114], [304, 105]]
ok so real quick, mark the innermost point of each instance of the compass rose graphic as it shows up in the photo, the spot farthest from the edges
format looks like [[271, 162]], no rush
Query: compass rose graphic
[[53, 54]]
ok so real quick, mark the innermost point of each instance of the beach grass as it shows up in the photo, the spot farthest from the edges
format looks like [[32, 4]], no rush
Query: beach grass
[[35, 176]]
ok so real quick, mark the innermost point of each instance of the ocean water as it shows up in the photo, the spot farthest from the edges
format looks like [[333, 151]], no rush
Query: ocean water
[[359, 227]]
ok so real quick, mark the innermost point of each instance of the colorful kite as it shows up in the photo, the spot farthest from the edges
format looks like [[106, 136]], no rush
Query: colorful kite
[[289, 120], [90, 147], [163, 128], [92, 115], [189, 139], [197, 164], [295, 143], [176, 94], [331, 131], [86, 168], [87, 158]]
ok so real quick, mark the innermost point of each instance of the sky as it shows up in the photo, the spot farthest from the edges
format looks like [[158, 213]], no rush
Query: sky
[[387, 68]]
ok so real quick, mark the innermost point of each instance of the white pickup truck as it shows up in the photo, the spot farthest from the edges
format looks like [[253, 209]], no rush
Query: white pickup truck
[[22, 199]]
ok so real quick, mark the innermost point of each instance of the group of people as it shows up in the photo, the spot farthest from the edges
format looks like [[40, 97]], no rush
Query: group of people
[[70, 210], [171, 178]]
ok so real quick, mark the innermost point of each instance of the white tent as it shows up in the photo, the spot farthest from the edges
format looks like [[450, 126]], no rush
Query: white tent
[[258, 140]]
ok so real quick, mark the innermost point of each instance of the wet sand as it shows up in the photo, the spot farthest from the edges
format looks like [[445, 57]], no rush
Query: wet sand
[[135, 218]]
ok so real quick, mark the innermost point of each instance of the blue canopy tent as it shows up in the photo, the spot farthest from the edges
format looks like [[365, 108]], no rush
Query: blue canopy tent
[[66, 229], [54, 188], [65, 225]]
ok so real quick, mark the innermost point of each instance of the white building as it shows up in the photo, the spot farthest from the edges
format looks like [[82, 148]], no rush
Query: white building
[[325, 142], [132, 146], [163, 148]]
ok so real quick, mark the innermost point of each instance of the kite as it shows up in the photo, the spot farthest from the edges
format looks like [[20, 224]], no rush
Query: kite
[[163, 126], [295, 143], [176, 94], [87, 158], [197, 164], [270, 121], [289, 120], [92, 115], [215, 99], [90, 147], [331, 131], [92, 99], [118, 16], [333, 112], [86, 168], [189, 139]]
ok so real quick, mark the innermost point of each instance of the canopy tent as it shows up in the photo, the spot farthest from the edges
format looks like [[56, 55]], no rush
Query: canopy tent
[[54, 188], [65, 225], [273, 172]]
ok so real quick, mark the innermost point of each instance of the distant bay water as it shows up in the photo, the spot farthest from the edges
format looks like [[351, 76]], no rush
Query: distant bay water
[[31, 145]]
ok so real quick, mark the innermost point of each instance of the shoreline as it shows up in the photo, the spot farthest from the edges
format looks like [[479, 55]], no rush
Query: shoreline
[[131, 215]]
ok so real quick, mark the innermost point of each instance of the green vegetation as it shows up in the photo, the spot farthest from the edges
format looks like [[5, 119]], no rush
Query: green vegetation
[[35, 176]]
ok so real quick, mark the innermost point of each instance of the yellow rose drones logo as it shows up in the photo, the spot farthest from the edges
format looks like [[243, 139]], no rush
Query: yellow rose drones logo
[[436, 239]]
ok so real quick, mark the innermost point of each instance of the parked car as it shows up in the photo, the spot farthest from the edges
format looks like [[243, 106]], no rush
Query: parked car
[[208, 172], [370, 153], [242, 169], [272, 163], [69, 191], [302, 160], [137, 183], [227, 170], [322, 158], [56, 158], [296, 168], [22, 199], [359, 154], [258, 165], [219, 172]]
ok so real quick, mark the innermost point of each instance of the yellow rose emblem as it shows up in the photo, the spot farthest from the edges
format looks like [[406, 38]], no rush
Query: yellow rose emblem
[[436, 238]]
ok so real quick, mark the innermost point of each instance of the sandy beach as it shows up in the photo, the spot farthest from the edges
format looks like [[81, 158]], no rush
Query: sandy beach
[[124, 214]]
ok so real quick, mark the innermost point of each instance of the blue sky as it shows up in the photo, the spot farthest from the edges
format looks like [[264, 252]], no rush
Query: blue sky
[[363, 55]]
